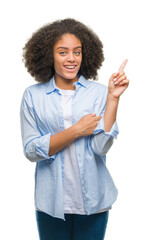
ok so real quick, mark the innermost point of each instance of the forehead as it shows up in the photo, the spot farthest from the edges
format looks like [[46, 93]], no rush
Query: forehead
[[69, 41]]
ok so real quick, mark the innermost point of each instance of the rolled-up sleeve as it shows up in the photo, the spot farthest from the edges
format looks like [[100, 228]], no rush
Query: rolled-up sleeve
[[102, 141], [35, 145]]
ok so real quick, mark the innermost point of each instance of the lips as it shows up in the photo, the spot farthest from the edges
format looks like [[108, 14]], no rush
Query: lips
[[70, 66]]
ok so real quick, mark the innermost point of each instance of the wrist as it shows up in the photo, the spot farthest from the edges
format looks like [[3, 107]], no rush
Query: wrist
[[76, 130], [112, 98]]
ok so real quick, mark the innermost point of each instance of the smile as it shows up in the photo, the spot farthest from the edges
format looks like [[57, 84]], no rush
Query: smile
[[70, 66]]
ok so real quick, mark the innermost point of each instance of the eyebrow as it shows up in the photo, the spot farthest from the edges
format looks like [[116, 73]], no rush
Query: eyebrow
[[67, 48]]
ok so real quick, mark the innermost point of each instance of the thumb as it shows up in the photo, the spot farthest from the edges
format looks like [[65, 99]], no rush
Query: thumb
[[93, 114]]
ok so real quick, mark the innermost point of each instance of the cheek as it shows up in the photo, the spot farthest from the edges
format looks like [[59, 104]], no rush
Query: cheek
[[80, 60], [57, 64], [58, 67]]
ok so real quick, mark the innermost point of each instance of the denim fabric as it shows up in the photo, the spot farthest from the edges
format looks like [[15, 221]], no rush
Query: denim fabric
[[76, 227]]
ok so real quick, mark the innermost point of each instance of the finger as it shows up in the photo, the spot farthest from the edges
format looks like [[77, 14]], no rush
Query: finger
[[118, 77], [98, 118], [114, 76], [124, 77], [124, 82], [121, 68]]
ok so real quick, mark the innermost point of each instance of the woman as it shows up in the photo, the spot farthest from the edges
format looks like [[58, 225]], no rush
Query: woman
[[68, 125]]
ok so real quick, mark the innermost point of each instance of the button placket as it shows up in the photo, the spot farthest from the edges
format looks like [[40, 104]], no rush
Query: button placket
[[61, 124], [78, 153]]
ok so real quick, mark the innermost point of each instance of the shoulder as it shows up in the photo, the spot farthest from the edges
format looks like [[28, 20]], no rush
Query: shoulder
[[96, 84], [38, 87], [33, 93], [35, 89], [97, 87], [96, 91], [92, 84]]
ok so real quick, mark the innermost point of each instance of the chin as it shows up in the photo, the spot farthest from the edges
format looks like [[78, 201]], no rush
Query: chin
[[70, 76]]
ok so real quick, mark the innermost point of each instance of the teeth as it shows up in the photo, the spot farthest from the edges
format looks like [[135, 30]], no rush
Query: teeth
[[71, 67]]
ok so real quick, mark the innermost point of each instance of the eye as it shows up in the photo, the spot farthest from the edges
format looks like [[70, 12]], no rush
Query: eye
[[77, 53], [62, 53]]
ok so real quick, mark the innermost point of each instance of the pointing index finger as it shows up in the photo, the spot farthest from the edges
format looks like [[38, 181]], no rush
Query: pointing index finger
[[121, 68]]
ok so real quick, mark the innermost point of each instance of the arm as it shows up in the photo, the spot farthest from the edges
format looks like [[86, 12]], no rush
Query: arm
[[117, 85], [101, 140], [107, 129], [110, 112], [85, 126], [38, 147], [35, 145], [61, 139]]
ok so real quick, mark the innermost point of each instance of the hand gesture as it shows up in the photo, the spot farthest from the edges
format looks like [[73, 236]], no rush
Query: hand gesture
[[118, 82], [87, 124]]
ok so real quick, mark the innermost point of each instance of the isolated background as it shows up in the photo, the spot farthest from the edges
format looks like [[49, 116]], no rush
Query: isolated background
[[123, 28]]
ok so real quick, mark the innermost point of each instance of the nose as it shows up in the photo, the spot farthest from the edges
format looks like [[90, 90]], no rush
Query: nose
[[70, 57]]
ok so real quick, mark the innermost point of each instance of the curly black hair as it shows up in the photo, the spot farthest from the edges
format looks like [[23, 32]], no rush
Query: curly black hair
[[38, 51]]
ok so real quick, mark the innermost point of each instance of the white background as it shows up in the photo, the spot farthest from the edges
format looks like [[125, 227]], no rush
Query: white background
[[123, 28]]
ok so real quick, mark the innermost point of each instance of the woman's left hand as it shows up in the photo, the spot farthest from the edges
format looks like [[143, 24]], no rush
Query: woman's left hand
[[118, 82]]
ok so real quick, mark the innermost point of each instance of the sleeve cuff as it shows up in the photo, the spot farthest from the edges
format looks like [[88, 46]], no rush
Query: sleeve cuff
[[100, 128], [42, 148], [38, 149]]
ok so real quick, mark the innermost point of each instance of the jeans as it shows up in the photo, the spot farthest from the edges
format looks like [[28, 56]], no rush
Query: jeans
[[76, 227]]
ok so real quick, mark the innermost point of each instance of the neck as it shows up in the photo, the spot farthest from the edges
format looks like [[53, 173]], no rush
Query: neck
[[66, 84]]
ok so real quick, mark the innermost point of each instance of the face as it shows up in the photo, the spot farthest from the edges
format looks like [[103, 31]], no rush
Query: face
[[67, 54]]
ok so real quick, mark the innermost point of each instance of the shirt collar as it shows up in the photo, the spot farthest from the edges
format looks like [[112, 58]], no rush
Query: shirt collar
[[51, 86]]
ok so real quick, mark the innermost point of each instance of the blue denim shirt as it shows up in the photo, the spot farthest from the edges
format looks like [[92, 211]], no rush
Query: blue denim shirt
[[41, 117]]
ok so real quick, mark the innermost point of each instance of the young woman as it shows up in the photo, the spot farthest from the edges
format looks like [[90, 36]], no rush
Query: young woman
[[68, 124]]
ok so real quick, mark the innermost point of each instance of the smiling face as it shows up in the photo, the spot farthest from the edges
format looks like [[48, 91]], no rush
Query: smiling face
[[67, 54]]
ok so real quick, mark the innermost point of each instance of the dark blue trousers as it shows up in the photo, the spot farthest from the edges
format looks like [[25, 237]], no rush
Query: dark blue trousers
[[76, 227]]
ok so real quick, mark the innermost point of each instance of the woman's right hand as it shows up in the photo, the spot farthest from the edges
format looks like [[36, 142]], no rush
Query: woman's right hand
[[87, 124]]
